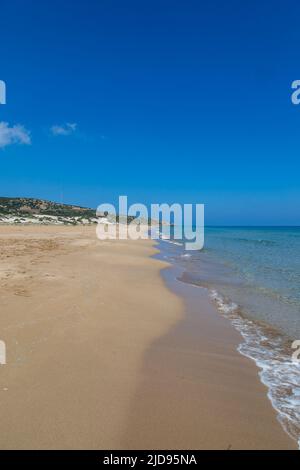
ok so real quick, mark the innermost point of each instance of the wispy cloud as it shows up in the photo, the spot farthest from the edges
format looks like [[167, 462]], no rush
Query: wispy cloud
[[65, 129], [16, 134]]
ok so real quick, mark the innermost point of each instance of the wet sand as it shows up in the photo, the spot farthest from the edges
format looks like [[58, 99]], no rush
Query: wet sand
[[199, 392], [101, 354]]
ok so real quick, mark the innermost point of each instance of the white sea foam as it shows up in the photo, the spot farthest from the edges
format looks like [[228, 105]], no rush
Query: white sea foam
[[277, 369], [165, 238]]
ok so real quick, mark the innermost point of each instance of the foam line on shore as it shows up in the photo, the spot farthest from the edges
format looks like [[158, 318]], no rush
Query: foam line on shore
[[277, 369]]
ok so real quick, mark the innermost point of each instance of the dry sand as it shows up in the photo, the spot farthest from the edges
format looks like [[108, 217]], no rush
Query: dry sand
[[102, 355]]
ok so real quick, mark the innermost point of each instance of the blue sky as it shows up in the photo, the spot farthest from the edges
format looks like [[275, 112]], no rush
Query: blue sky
[[165, 101]]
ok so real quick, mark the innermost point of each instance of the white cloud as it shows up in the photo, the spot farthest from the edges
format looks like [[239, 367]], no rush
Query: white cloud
[[65, 129], [13, 135]]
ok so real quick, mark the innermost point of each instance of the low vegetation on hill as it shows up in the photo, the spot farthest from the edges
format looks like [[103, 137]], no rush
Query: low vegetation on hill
[[38, 211], [27, 210]]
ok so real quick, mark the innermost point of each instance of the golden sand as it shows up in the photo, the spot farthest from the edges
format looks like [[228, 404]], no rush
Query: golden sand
[[102, 355]]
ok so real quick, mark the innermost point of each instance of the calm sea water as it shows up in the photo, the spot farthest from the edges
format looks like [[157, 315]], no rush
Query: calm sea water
[[253, 276]]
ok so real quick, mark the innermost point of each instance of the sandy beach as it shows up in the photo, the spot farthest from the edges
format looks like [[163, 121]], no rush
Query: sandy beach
[[105, 352]]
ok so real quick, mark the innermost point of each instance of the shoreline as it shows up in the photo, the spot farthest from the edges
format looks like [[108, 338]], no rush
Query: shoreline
[[269, 348], [230, 408]]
